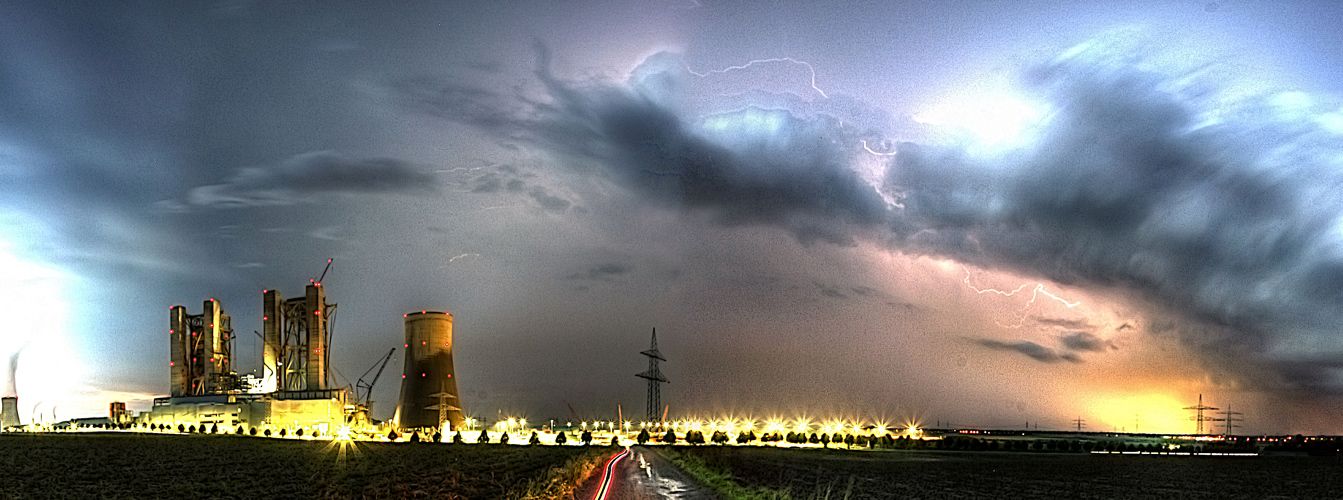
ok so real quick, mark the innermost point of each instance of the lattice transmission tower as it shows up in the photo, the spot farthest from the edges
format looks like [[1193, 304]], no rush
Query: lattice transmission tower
[[655, 378], [1199, 417]]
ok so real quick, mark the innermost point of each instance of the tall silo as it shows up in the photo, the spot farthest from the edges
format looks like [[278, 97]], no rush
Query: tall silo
[[428, 388]]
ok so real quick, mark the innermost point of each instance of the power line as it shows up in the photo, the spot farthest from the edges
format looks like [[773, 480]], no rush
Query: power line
[[1229, 417], [1199, 417]]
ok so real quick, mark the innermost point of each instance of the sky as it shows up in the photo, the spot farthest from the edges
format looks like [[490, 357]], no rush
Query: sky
[[964, 213]]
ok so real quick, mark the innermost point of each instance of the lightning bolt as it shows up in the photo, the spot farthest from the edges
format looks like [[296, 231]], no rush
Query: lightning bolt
[[753, 62], [1038, 290], [462, 256], [892, 153]]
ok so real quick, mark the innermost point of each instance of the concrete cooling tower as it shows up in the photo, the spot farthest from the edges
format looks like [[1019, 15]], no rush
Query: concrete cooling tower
[[428, 389], [9, 412]]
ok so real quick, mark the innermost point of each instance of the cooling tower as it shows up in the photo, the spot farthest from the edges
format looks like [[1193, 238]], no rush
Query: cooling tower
[[9, 412], [428, 389]]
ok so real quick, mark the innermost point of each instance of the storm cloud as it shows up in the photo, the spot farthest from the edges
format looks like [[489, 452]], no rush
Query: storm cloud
[[1031, 349], [294, 179], [1222, 214]]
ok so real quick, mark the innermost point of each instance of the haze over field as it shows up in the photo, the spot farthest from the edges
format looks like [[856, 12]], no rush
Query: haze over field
[[982, 214]]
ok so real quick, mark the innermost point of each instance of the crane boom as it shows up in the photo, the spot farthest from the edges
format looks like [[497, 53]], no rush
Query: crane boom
[[328, 268], [367, 388]]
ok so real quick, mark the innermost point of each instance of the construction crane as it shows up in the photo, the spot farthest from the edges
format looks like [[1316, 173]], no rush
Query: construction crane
[[318, 281], [363, 391]]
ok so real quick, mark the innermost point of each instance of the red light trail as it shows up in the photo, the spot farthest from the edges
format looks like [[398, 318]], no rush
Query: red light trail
[[606, 475]]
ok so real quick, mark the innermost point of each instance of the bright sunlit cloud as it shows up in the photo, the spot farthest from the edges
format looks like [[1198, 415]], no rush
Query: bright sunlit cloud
[[33, 313], [992, 120]]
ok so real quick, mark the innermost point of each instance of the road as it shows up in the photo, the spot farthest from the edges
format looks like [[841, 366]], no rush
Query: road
[[640, 474]]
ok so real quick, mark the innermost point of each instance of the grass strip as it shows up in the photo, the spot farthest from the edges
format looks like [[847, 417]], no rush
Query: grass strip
[[718, 479], [560, 482]]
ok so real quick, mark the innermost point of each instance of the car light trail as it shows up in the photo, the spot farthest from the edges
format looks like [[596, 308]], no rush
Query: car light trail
[[606, 474]]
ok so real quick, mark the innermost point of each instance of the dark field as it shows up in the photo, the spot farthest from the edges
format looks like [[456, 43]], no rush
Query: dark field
[[197, 466], [807, 474]]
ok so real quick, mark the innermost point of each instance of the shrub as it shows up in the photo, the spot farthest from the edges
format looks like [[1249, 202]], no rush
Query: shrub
[[561, 438], [392, 435], [457, 438], [282, 432], [484, 437], [438, 437], [586, 437], [503, 438], [535, 439], [669, 437], [252, 431], [267, 433], [415, 437], [643, 436]]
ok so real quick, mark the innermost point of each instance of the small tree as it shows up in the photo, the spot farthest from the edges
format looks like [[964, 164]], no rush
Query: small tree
[[586, 437], [252, 431], [719, 437], [535, 439], [299, 432], [181, 428], [214, 428], [438, 437], [503, 438], [484, 437], [848, 441], [457, 438], [392, 435], [267, 433], [669, 437], [694, 437], [415, 437], [825, 440], [283, 432], [561, 438], [239, 431], [643, 436]]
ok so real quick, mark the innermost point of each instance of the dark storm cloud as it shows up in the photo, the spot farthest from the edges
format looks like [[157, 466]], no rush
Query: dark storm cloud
[[752, 166], [603, 272], [1083, 341], [296, 178], [1226, 216], [1067, 324], [1031, 349]]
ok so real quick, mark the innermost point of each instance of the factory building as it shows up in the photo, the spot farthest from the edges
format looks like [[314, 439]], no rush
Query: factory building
[[9, 412], [428, 389], [117, 414], [294, 390], [200, 348]]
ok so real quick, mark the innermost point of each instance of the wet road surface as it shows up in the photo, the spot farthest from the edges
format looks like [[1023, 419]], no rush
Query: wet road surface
[[640, 474]]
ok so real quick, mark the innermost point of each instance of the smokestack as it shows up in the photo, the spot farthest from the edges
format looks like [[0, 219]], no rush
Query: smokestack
[[9, 411]]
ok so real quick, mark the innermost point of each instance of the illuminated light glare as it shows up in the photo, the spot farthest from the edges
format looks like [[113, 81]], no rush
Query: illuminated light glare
[[994, 120]]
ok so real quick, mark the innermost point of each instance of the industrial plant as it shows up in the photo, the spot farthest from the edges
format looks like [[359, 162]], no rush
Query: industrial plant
[[295, 389]]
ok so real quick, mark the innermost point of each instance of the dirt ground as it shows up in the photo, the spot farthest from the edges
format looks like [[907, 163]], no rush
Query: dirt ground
[[110, 466], [911, 474]]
